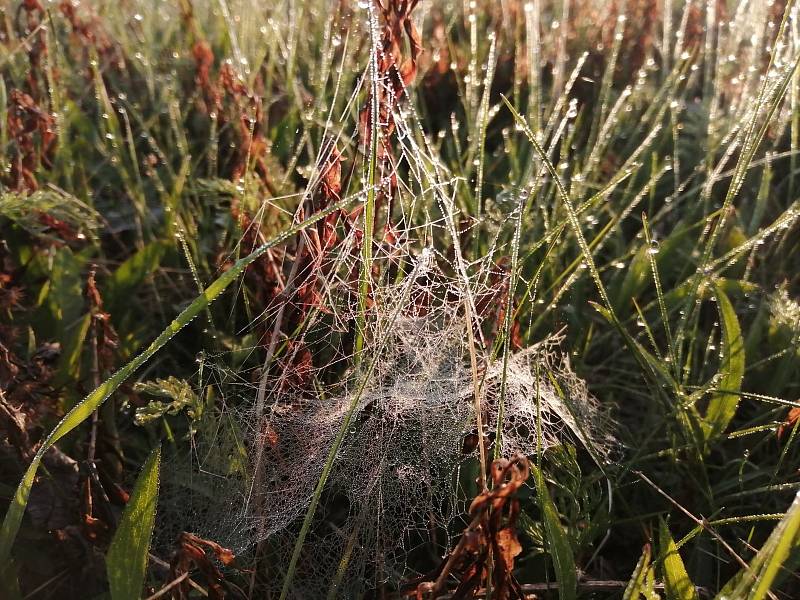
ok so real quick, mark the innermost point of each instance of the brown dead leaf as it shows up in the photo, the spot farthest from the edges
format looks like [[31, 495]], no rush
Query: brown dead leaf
[[509, 546], [791, 419]]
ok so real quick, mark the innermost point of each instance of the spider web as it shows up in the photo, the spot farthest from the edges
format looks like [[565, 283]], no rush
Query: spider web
[[400, 483], [402, 478]]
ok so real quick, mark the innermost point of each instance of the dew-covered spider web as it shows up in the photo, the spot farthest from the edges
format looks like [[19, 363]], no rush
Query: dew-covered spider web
[[375, 397], [405, 472]]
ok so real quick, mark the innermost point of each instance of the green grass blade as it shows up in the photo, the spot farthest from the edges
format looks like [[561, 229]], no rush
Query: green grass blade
[[677, 584], [783, 545], [651, 251], [560, 549], [88, 405], [126, 561], [722, 407], [750, 142], [636, 584], [369, 206]]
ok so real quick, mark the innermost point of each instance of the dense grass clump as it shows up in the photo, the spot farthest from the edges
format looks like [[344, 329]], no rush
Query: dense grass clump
[[400, 298]]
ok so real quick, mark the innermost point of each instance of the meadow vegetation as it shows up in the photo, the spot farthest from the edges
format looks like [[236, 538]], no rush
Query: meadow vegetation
[[400, 298]]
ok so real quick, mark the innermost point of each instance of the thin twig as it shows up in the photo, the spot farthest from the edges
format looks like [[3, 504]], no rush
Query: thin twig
[[586, 586], [701, 522], [169, 586]]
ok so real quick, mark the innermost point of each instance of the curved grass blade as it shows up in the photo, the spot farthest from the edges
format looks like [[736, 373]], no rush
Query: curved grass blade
[[88, 405], [751, 139], [782, 546], [560, 550], [722, 407], [126, 561]]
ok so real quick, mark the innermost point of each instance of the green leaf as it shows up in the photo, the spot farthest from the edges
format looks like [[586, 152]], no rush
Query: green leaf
[[782, 546], [636, 584], [126, 561], [560, 550], [69, 365], [84, 409], [677, 584], [132, 273], [635, 281], [65, 299], [722, 407]]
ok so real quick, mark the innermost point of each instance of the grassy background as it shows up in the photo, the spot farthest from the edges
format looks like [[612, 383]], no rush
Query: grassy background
[[641, 195]]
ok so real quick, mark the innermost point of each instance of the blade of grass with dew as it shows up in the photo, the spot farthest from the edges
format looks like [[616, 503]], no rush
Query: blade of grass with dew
[[751, 142], [560, 549], [88, 405], [369, 205], [722, 407], [573, 219], [636, 584], [477, 152], [651, 252], [126, 560], [648, 364], [782, 545], [509, 311], [677, 584]]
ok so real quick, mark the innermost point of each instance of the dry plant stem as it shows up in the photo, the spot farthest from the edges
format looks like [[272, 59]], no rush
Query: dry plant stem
[[192, 582], [441, 580], [169, 586], [90, 453], [587, 586], [490, 499]]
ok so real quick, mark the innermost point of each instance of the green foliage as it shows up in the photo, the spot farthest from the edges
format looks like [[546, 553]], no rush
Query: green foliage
[[777, 558], [180, 394], [557, 541], [638, 200], [722, 407], [636, 585], [127, 557], [88, 405], [26, 211], [133, 272], [677, 584]]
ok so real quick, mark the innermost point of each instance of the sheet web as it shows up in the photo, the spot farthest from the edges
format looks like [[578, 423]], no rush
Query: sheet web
[[405, 472]]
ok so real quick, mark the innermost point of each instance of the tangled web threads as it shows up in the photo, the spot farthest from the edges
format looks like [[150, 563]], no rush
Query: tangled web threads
[[403, 477]]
